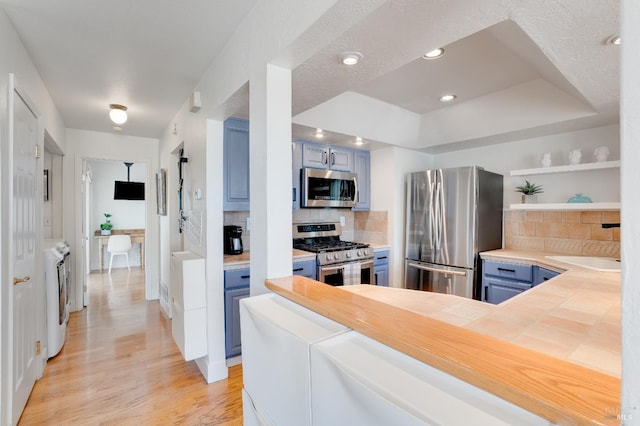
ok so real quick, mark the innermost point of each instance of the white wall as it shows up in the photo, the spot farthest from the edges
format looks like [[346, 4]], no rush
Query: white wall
[[389, 168], [630, 123], [87, 145], [602, 185], [126, 214], [15, 59]]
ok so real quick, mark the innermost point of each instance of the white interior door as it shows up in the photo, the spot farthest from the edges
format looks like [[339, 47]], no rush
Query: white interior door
[[86, 237], [23, 126]]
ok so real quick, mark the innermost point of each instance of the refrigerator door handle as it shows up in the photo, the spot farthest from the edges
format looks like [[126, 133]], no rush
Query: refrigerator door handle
[[438, 216], [432, 216], [434, 269]]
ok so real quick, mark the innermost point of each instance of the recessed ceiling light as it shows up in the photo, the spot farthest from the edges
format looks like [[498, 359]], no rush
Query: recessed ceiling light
[[319, 133], [447, 98], [614, 39], [434, 54], [118, 113], [350, 58], [358, 141]]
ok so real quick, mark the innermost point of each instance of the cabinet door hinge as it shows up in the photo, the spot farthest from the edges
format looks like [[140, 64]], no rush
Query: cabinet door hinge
[[38, 348]]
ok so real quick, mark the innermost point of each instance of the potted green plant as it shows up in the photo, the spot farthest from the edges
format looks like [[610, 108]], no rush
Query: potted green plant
[[529, 191], [105, 228]]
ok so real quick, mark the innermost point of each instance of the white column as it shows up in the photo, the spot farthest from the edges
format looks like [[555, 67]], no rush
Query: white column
[[270, 159], [630, 154]]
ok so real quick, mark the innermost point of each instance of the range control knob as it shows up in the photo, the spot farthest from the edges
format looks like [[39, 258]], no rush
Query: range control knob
[[359, 253], [336, 256], [348, 255], [328, 257]]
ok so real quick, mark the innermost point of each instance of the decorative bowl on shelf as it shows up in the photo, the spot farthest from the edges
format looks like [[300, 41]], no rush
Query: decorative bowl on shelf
[[579, 198]]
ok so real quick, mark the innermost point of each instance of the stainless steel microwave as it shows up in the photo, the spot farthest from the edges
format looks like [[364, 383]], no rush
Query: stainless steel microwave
[[328, 188]]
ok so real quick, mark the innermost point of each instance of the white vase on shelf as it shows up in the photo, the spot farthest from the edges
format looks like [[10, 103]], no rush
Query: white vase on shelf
[[546, 160], [601, 154], [575, 156]]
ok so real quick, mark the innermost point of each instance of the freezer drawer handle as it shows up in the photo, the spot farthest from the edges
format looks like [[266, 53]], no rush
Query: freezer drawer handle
[[298, 269], [513, 271], [443, 271]]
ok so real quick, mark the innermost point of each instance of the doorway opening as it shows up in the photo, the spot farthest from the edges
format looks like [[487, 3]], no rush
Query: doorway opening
[[113, 204]]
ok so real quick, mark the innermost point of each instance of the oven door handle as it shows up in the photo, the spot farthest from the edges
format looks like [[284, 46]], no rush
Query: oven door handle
[[332, 268], [440, 270]]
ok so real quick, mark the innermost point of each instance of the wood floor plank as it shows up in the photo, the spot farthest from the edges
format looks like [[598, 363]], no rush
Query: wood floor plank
[[120, 366]]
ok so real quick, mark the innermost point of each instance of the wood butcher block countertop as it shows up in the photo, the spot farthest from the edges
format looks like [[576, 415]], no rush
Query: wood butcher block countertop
[[553, 350]]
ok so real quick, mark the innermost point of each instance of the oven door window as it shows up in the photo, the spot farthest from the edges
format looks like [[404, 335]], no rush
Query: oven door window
[[334, 275]]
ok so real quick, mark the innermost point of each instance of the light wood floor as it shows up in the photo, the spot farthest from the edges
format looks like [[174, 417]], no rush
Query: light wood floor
[[120, 366]]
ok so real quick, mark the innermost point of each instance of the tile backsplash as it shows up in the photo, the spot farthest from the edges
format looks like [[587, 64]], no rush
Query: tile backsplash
[[566, 232], [369, 227]]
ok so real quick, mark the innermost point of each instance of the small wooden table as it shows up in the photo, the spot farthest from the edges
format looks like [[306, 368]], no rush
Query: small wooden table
[[137, 236]]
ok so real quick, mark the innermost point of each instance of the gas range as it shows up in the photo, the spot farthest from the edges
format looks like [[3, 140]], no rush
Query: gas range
[[324, 240]]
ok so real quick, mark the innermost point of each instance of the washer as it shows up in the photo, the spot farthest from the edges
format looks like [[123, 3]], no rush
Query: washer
[[56, 276]]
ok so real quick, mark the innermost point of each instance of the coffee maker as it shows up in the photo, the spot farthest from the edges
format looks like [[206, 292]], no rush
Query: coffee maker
[[232, 239]]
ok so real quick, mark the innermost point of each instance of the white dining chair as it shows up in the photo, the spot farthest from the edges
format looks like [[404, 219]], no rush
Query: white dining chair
[[119, 245]]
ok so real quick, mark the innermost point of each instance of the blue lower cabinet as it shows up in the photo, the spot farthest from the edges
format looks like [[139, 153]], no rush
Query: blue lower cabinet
[[232, 299], [306, 268], [541, 275], [381, 268], [495, 290], [236, 287], [503, 280]]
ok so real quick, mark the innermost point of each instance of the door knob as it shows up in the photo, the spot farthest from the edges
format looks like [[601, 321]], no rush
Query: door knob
[[17, 281]]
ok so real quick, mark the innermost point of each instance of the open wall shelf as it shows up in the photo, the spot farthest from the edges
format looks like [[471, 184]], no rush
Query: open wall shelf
[[567, 168], [567, 206]]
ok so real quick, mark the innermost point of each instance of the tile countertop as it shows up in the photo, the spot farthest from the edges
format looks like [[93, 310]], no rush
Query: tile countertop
[[554, 349], [239, 261]]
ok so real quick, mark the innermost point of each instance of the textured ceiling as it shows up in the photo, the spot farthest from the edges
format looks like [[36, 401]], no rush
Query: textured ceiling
[[519, 69]]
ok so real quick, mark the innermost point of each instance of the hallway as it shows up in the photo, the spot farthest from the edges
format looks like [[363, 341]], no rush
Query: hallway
[[120, 366]]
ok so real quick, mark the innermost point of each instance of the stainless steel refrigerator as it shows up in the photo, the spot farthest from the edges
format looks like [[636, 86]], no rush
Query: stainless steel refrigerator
[[452, 215]]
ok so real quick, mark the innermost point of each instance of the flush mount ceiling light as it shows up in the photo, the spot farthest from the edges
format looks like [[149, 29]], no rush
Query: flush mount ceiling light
[[358, 141], [319, 133], [118, 113], [447, 98], [614, 39], [350, 58], [434, 54]]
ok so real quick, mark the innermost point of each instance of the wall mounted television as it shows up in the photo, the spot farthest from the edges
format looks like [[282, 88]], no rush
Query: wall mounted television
[[128, 190]]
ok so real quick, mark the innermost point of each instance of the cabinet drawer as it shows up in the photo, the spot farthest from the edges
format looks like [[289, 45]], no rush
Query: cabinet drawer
[[381, 257], [305, 268], [237, 278], [508, 270]]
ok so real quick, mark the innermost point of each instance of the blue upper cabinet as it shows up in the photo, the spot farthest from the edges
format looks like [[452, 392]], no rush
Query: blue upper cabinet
[[236, 165], [361, 162], [320, 156]]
